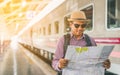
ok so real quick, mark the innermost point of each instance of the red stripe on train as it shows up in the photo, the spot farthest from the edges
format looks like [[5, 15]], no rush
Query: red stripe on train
[[115, 54], [108, 40]]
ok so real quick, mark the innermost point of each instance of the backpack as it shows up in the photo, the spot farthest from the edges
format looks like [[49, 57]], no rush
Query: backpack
[[67, 42]]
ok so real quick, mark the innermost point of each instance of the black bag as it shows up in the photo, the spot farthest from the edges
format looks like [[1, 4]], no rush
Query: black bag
[[59, 73], [108, 73]]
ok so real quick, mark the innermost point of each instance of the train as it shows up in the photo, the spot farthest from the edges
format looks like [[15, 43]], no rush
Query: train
[[104, 27]]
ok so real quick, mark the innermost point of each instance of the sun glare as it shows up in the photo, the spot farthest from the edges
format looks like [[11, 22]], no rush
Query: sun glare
[[14, 43]]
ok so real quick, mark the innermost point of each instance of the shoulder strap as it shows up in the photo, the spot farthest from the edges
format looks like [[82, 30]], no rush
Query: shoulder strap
[[66, 42], [88, 41]]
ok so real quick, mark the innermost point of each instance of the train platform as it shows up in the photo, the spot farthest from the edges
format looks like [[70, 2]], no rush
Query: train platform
[[20, 61]]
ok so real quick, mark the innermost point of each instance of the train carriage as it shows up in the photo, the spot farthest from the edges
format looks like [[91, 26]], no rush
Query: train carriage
[[104, 27]]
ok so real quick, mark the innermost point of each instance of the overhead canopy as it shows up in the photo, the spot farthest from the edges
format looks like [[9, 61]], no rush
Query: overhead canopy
[[16, 14]]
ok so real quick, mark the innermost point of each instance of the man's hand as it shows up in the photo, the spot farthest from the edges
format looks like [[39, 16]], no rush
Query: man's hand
[[62, 63], [107, 64]]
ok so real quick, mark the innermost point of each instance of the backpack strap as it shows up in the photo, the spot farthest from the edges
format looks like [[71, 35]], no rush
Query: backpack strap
[[88, 41], [66, 42]]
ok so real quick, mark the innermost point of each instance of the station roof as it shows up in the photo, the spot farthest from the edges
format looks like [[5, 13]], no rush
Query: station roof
[[15, 14]]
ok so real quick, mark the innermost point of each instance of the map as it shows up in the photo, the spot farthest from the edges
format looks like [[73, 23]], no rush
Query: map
[[86, 60]]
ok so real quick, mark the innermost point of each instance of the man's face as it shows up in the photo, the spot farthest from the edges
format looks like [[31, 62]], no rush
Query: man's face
[[77, 27]]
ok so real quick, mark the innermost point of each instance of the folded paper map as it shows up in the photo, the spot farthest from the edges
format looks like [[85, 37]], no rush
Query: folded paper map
[[86, 60]]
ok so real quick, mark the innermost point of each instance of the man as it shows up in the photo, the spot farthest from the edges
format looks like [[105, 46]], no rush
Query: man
[[78, 23]]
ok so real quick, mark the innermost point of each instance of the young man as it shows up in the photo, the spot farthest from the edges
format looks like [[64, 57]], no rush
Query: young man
[[77, 38]]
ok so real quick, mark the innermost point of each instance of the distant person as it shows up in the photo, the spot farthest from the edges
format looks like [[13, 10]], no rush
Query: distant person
[[77, 23]]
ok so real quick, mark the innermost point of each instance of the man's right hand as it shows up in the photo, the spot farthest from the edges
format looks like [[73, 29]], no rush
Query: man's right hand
[[62, 63]]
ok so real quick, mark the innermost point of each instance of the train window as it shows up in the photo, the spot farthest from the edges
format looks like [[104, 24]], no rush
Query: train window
[[34, 32], [31, 32], [43, 30], [66, 23], [56, 26], [49, 29], [40, 31], [113, 14], [89, 14]]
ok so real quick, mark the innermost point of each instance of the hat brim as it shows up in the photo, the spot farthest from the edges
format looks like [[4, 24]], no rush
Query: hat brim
[[85, 20]]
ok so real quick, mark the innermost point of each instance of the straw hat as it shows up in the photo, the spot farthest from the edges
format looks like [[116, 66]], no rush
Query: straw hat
[[79, 16]]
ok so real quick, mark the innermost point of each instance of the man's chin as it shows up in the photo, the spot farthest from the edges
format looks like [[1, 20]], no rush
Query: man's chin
[[79, 34]]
